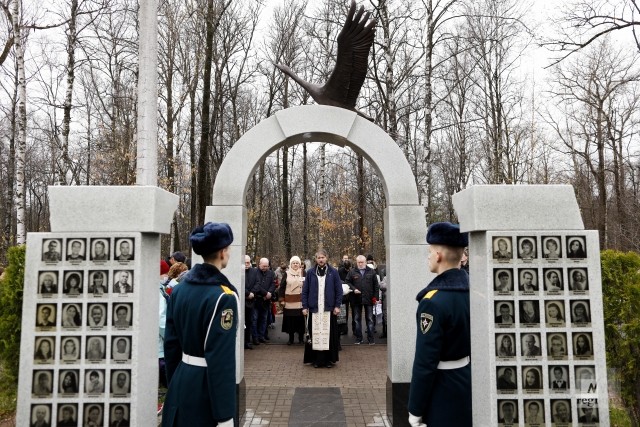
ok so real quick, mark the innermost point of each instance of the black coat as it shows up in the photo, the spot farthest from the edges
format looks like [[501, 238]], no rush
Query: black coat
[[249, 279], [367, 284], [264, 281]]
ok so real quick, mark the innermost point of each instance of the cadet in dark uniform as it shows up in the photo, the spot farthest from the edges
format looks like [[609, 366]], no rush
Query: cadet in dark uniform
[[200, 337], [440, 392]]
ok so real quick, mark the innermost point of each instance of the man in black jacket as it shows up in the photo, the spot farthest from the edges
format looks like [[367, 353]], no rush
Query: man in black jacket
[[364, 285], [249, 300], [263, 287]]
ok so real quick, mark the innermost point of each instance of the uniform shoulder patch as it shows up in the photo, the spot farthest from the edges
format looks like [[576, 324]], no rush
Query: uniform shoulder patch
[[430, 294], [226, 319], [226, 290], [426, 320]]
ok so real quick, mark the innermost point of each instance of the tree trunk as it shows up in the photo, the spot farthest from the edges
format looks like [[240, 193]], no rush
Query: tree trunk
[[305, 203], [361, 205], [21, 234], [65, 164]]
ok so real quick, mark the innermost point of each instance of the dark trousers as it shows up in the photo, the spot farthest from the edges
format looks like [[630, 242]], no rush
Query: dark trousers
[[261, 310], [357, 315]]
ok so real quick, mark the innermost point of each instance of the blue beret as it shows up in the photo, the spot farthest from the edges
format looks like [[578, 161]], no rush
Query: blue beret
[[447, 234], [211, 237]]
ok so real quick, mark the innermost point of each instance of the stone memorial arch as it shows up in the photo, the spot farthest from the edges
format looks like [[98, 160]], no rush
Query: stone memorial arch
[[404, 220]]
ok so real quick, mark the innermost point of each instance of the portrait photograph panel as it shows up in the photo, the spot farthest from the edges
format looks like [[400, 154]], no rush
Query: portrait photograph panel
[[553, 284], [502, 249], [45, 350], [530, 345], [504, 312], [581, 313], [69, 381], [71, 316], [582, 345], [529, 313], [507, 381], [70, 350], [41, 414], [528, 280], [98, 283], [532, 379], [94, 381], [100, 249], [561, 411], [507, 411], [506, 345], [122, 315], [123, 282], [554, 313], [551, 248], [120, 382], [533, 412], [73, 283], [93, 414], [42, 383], [96, 346], [45, 317], [76, 250], [121, 348], [576, 247], [97, 315], [557, 345], [68, 415], [119, 414], [503, 281], [588, 411], [527, 249], [578, 281], [48, 284], [52, 250], [124, 249], [586, 381], [559, 378]]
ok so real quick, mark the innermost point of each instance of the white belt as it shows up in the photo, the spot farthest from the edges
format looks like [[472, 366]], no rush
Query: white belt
[[195, 361], [451, 364]]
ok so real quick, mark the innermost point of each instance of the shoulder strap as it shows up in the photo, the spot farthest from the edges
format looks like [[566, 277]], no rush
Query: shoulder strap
[[430, 294]]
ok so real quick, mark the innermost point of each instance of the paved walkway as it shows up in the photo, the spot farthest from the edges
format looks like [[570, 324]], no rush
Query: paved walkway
[[276, 381]]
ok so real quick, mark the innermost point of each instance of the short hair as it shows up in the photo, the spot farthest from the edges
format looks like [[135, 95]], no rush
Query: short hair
[[503, 274], [322, 251], [534, 403], [558, 368], [504, 305], [508, 403]]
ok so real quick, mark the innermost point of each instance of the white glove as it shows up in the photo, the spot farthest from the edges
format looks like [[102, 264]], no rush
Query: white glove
[[228, 423], [415, 421]]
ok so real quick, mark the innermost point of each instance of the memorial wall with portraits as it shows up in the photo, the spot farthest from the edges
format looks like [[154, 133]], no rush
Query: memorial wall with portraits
[[544, 352], [79, 341]]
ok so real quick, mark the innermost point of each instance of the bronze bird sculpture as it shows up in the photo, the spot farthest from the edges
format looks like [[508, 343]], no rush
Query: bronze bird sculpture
[[344, 84]]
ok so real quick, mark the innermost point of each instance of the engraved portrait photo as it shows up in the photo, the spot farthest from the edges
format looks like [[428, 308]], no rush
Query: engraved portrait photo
[[121, 348], [70, 349], [561, 411], [68, 415], [48, 283], [40, 415], [553, 280], [96, 346], [588, 411], [119, 414], [98, 283], [502, 248], [528, 280], [506, 345], [506, 379], [72, 283], [42, 383], [124, 249], [559, 378], [551, 248], [576, 247], [503, 280], [71, 316], [99, 249], [123, 282], [69, 380], [583, 345], [45, 350], [122, 315], [557, 345], [507, 411], [580, 313], [554, 313], [578, 280], [45, 317], [531, 345], [532, 379], [120, 382], [96, 315], [586, 379], [94, 381], [527, 248], [76, 250], [52, 250], [529, 313], [504, 313], [93, 414], [534, 412]]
